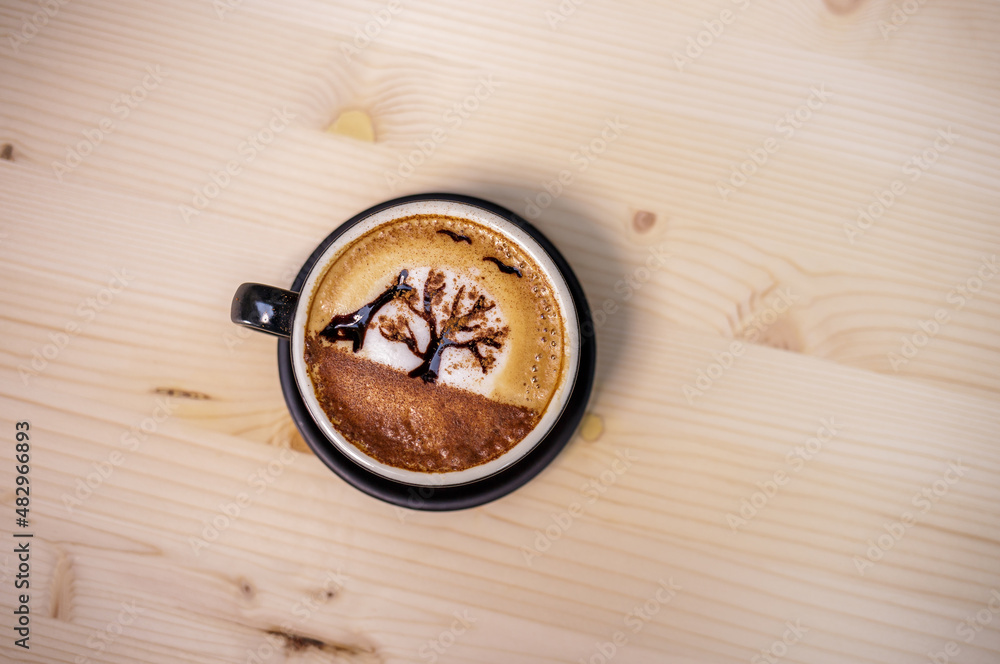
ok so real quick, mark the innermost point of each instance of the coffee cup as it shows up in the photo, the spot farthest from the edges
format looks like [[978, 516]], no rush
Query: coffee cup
[[432, 350]]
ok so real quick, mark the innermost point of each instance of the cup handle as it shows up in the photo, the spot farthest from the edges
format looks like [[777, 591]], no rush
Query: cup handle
[[264, 308]]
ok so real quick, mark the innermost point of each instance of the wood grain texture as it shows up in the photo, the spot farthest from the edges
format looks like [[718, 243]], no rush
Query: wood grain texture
[[758, 335]]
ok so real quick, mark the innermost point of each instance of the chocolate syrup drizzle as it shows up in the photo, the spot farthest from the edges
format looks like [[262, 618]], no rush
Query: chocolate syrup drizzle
[[506, 269], [455, 323], [353, 326], [457, 237]]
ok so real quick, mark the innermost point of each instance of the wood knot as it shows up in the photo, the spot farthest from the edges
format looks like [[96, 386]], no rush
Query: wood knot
[[592, 427], [781, 334], [643, 221], [63, 580], [246, 589], [182, 394], [298, 643], [286, 435], [842, 7], [354, 124], [766, 319]]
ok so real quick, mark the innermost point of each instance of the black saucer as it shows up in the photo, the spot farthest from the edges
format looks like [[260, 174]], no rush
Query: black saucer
[[465, 495]]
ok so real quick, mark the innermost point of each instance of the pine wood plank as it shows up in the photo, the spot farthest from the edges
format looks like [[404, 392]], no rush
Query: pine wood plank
[[661, 517], [670, 159], [707, 432]]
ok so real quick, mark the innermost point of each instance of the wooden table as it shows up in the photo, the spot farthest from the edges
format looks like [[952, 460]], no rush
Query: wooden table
[[791, 454]]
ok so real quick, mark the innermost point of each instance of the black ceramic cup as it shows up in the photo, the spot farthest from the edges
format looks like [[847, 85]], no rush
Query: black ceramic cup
[[283, 312]]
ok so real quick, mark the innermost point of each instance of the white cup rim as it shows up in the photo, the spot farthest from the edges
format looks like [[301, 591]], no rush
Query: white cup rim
[[512, 232]]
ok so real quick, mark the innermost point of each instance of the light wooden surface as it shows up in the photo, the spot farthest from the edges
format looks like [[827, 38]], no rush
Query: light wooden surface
[[311, 570]]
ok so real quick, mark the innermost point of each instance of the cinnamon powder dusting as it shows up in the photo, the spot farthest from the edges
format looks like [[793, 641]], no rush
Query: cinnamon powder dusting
[[412, 424]]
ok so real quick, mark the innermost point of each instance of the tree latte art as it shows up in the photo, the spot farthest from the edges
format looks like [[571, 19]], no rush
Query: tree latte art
[[434, 343]]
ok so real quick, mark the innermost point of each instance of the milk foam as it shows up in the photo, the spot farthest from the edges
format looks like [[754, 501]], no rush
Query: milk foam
[[459, 367]]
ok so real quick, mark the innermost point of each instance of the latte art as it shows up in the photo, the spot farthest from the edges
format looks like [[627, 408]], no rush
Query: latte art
[[434, 344], [446, 329]]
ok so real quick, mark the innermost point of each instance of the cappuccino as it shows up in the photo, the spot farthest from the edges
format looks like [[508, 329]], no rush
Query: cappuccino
[[434, 343]]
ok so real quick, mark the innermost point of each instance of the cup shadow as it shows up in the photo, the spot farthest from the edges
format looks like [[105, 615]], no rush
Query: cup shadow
[[590, 249]]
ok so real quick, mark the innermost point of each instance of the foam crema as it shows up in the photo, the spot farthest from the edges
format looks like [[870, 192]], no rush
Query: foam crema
[[435, 344]]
